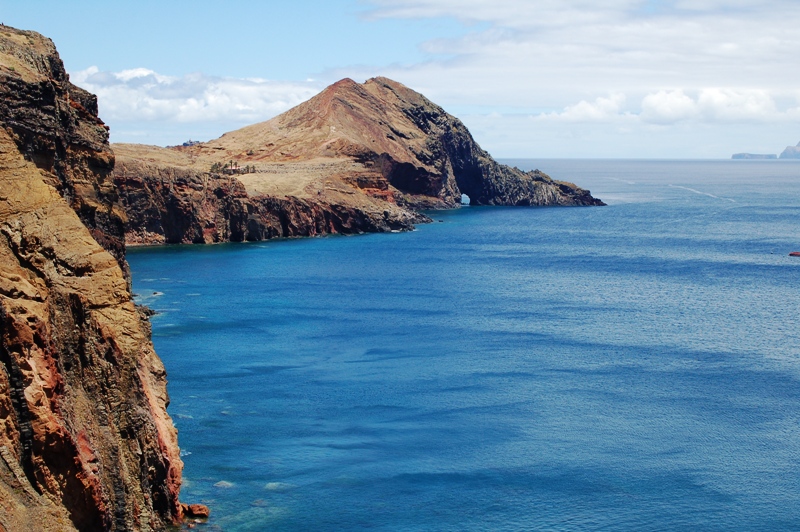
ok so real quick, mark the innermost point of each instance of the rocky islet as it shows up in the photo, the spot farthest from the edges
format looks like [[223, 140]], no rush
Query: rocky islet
[[791, 152]]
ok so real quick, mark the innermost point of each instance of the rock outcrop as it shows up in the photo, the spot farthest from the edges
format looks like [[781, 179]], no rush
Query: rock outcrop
[[398, 138], [355, 158], [791, 152], [55, 125], [85, 439]]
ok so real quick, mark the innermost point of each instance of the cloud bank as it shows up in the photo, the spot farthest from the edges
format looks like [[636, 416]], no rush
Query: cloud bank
[[140, 96], [541, 52]]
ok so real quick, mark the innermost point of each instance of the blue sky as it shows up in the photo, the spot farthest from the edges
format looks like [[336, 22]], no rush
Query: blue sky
[[274, 40], [530, 78]]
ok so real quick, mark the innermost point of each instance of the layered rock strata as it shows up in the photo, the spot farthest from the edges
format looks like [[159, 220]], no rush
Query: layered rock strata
[[355, 158], [85, 439]]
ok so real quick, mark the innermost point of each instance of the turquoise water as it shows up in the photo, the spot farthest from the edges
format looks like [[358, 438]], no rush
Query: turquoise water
[[632, 367]]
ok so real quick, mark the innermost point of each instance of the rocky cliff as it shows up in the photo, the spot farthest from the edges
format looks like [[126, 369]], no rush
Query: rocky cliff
[[398, 139], [55, 125], [371, 153], [167, 204], [85, 439]]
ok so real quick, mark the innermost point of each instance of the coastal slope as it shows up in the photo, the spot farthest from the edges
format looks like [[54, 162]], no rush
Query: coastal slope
[[85, 439], [378, 152]]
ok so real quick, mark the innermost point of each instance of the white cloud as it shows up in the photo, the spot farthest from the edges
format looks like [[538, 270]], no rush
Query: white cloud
[[602, 109], [508, 13], [714, 105], [665, 107], [515, 136], [140, 95], [728, 105], [552, 53]]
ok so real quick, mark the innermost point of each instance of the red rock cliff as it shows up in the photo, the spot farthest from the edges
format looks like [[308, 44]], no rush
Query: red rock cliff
[[85, 439], [181, 205]]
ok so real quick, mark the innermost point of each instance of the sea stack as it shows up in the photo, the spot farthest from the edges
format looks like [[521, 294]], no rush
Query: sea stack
[[85, 439]]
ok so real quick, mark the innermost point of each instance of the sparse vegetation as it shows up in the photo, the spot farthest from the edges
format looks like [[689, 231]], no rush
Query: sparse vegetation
[[232, 167]]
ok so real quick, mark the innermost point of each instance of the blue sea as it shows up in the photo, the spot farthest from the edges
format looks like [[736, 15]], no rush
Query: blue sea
[[630, 367]]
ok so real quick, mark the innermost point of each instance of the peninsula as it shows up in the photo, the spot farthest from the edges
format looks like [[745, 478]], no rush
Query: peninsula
[[355, 158], [759, 156]]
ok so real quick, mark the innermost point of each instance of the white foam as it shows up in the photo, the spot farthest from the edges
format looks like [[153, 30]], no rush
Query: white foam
[[278, 486]]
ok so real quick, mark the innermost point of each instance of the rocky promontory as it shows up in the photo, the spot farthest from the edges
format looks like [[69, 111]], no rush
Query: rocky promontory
[[85, 439], [355, 158]]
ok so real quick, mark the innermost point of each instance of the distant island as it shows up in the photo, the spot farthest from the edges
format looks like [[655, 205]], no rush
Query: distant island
[[754, 156], [791, 152]]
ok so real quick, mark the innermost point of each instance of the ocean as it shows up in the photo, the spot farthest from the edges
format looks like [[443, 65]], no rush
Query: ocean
[[629, 367]]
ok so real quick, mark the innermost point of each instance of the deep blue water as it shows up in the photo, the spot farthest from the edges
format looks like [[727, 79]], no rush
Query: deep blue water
[[632, 367]]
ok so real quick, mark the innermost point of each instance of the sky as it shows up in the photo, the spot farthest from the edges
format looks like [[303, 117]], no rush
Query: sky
[[529, 78]]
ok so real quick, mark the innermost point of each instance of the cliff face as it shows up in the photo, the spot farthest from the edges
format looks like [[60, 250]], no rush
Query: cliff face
[[55, 126], [85, 439], [179, 205], [355, 158]]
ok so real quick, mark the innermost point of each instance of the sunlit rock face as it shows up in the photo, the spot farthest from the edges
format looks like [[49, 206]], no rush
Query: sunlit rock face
[[85, 439]]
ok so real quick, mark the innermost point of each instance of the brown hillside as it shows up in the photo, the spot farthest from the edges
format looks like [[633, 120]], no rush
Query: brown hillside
[[378, 149]]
